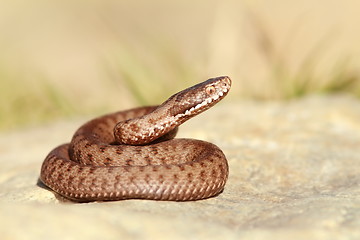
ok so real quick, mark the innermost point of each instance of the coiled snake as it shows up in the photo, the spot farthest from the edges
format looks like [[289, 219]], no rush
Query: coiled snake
[[132, 154]]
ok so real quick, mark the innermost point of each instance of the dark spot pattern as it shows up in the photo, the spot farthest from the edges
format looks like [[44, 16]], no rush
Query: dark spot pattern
[[102, 149], [175, 178], [129, 162], [90, 157], [203, 176], [161, 178], [190, 177], [182, 168]]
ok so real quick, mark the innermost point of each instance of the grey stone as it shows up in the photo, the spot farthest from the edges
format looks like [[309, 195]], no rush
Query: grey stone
[[294, 174]]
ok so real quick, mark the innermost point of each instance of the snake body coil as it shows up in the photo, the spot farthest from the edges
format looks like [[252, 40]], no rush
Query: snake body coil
[[132, 154]]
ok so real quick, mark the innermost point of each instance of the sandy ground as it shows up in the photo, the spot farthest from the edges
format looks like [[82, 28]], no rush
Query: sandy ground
[[294, 174]]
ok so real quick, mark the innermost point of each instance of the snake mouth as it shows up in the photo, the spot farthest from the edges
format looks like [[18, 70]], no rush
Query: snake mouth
[[205, 104]]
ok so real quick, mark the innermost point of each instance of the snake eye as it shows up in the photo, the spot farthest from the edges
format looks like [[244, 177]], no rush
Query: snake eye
[[210, 90]]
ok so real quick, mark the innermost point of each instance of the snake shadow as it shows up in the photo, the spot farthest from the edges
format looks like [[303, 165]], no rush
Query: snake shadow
[[40, 184]]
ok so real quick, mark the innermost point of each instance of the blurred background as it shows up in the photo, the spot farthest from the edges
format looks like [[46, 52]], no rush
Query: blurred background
[[62, 58]]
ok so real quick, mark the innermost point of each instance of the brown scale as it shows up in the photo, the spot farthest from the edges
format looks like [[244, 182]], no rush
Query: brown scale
[[132, 154]]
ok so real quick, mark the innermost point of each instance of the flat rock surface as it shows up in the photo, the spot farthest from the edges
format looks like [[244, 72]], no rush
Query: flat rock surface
[[294, 174]]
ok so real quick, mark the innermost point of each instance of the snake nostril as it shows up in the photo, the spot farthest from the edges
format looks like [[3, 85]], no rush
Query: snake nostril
[[228, 82]]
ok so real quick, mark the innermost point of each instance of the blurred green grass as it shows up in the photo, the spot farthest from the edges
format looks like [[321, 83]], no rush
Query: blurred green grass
[[39, 100], [23, 103], [147, 70], [288, 83]]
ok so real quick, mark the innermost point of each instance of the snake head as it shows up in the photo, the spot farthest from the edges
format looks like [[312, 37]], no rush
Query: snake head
[[173, 112], [196, 99]]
